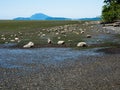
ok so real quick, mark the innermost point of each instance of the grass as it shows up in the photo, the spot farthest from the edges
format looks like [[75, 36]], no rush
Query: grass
[[31, 29], [28, 25]]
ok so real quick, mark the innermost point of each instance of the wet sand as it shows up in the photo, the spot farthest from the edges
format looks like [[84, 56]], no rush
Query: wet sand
[[85, 73]]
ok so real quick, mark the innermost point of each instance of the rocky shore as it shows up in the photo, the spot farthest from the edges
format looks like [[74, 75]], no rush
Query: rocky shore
[[85, 73]]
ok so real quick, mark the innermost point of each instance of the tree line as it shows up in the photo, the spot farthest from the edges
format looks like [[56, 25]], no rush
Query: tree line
[[111, 10]]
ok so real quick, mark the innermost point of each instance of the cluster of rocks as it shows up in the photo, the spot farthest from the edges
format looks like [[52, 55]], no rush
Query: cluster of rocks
[[58, 31], [114, 24], [31, 44], [12, 38]]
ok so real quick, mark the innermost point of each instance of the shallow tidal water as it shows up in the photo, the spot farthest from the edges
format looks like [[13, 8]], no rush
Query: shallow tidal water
[[21, 58]]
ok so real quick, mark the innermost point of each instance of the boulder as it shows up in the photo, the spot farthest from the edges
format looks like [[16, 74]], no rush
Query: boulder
[[116, 25], [29, 45], [89, 36], [3, 38], [43, 35], [82, 32], [16, 39], [49, 41], [12, 40], [61, 42], [82, 44]]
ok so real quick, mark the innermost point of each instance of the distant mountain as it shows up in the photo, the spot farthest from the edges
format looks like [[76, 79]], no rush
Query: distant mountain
[[21, 18], [91, 19], [41, 16]]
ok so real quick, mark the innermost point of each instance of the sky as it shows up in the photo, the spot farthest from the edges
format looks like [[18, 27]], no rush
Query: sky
[[10, 9]]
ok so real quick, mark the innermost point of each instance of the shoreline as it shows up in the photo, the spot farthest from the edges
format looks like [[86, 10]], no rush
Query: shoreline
[[83, 73], [106, 49]]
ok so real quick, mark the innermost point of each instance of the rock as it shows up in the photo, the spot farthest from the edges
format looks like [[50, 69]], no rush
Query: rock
[[108, 32], [59, 37], [30, 44], [43, 35], [57, 33], [69, 40], [63, 32], [2, 35], [82, 32], [61, 42], [81, 44], [19, 33], [15, 35], [89, 36], [12, 40], [3, 38], [49, 41], [11, 35], [16, 39], [76, 33], [117, 24]]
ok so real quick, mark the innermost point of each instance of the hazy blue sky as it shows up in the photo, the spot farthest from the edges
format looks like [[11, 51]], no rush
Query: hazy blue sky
[[66, 8]]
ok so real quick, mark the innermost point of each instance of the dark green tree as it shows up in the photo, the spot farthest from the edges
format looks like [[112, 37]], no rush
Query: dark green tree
[[111, 10], [110, 1]]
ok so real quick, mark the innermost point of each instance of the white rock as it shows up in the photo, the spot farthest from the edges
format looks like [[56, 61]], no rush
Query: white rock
[[69, 40], [59, 37], [3, 38], [60, 42], [57, 33], [81, 44], [82, 32], [43, 35], [11, 35], [19, 32], [15, 35], [16, 39], [30, 44], [89, 36], [2, 35], [63, 32], [49, 41], [12, 40]]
